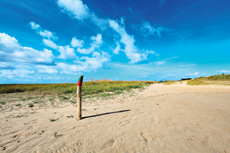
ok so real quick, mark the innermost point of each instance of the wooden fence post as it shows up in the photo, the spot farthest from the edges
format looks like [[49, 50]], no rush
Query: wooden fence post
[[79, 105]]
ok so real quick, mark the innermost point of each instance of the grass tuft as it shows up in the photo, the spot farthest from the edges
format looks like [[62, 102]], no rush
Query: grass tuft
[[118, 92], [73, 102], [55, 134], [31, 105], [3, 103], [52, 120]]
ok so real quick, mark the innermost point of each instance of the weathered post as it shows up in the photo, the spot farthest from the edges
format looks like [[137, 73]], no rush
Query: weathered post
[[79, 110]]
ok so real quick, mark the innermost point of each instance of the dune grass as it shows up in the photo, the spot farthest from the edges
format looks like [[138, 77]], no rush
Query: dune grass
[[223, 79], [169, 82], [88, 88]]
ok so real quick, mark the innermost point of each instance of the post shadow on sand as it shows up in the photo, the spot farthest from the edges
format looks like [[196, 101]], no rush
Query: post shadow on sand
[[106, 113]]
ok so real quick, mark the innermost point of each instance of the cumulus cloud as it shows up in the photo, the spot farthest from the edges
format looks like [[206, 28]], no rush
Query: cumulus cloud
[[130, 50], [66, 52], [76, 43], [97, 41], [34, 25], [43, 33], [74, 8], [8, 43], [11, 50], [46, 34], [50, 43], [147, 29], [80, 11], [85, 64]]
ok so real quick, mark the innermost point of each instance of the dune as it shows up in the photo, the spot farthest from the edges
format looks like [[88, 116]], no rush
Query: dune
[[161, 118]]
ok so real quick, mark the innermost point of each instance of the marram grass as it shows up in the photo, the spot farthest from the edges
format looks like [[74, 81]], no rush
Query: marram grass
[[214, 79], [88, 88]]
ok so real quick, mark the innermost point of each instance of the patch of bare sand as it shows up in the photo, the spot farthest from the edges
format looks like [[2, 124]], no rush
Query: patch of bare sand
[[161, 118]]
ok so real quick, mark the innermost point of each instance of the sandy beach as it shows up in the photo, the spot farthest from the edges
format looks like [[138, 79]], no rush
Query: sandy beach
[[161, 118]]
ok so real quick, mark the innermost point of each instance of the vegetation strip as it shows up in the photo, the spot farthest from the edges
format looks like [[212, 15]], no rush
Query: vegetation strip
[[222, 79], [89, 88]]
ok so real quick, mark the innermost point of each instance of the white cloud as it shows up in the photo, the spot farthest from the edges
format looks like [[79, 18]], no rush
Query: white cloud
[[66, 52], [150, 52], [224, 71], [85, 64], [16, 73], [43, 33], [187, 65], [8, 43], [46, 34], [100, 22], [147, 29], [163, 62], [160, 62], [50, 43], [97, 41], [47, 69], [130, 49], [74, 8], [4, 65], [12, 51], [34, 26], [196, 73], [117, 49], [76, 43], [80, 11]]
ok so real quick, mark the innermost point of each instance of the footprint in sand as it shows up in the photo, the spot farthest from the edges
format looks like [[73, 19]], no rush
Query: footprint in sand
[[146, 136], [108, 144]]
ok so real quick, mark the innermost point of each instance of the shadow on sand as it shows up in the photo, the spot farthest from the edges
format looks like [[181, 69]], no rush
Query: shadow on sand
[[106, 113]]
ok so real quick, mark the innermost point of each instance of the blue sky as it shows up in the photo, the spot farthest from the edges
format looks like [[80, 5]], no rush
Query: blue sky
[[55, 41]]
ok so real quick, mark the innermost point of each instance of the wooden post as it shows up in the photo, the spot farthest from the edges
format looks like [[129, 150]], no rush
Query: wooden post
[[79, 105]]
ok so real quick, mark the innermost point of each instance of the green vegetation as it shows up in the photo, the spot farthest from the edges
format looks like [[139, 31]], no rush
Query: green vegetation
[[52, 120], [88, 88], [118, 92], [222, 79], [17, 104], [31, 105], [3, 103], [55, 134], [169, 82], [73, 102]]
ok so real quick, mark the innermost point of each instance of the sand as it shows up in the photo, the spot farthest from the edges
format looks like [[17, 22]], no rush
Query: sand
[[161, 118]]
